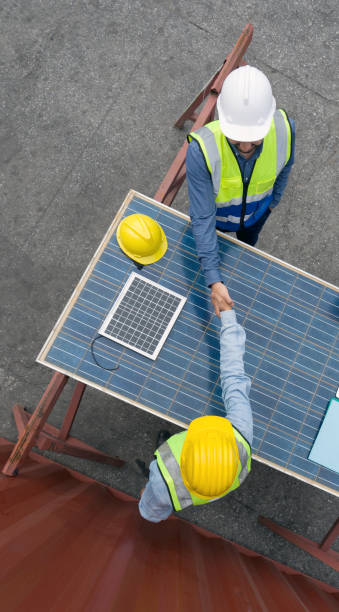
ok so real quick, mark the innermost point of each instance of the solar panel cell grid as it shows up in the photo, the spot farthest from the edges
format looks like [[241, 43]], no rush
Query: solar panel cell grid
[[142, 316], [292, 347]]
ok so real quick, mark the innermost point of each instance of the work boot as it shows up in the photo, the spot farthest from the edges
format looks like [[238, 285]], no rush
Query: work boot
[[142, 467], [163, 435]]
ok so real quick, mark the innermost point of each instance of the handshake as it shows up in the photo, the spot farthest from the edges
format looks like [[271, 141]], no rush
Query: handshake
[[220, 298]]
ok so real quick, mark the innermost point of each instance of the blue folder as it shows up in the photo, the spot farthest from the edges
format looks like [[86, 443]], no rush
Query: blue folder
[[325, 449]]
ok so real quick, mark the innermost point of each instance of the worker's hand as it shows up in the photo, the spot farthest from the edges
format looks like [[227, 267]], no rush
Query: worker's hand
[[220, 298], [141, 492]]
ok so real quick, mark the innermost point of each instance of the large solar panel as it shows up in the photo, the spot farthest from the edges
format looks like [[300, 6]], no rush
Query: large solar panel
[[142, 316], [291, 321]]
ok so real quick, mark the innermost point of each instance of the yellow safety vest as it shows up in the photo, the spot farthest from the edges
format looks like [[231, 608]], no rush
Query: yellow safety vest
[[241, 204], [168, 460]]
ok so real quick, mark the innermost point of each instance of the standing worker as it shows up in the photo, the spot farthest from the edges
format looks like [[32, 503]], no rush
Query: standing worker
[[237, 169], [213, 456]]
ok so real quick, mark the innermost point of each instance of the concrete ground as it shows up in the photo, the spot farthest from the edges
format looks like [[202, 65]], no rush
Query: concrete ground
[[90, 90]]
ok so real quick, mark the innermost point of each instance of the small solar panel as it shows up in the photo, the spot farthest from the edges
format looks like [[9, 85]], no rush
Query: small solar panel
[[142, 316]]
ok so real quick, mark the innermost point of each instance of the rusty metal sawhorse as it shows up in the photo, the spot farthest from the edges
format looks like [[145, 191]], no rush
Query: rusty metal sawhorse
[[33, 428], [321, 551]]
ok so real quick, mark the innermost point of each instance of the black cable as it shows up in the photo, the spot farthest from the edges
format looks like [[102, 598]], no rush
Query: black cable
[[94, 358], [138, 265]]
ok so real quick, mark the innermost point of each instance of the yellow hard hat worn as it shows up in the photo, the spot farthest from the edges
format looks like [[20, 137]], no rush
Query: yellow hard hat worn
[[209, 458], [141, 238]]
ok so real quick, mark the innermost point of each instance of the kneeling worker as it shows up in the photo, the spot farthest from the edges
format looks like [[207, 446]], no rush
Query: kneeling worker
[[213, 456]]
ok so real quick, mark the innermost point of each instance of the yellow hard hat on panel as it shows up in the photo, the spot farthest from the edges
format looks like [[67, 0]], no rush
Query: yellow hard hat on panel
[[141, 238], [209, 458]]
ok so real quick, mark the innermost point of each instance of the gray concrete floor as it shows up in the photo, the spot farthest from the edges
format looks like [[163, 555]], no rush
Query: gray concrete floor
[[89, 93]]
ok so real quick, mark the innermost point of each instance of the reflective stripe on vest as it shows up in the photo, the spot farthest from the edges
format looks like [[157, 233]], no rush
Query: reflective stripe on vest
[[168, 460], [228, 185]]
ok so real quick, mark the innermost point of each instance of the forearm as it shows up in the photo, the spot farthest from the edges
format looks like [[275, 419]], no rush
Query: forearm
[[235, 383], [206, 243], [202, 211]]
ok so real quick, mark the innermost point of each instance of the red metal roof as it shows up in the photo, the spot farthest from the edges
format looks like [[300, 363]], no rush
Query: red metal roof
[[69, 544]]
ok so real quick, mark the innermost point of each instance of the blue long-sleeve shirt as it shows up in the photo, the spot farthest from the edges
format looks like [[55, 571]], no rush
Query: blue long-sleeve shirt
[[155, 504], [202, 208]]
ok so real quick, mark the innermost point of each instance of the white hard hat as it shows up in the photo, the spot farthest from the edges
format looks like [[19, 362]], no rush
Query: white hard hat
[[246, 105]]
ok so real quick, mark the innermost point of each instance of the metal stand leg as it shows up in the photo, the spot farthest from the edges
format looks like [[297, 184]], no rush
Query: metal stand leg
[[33, 429], [321, 551], [49, 439], [72, 410], [189, 114], [35, 423]]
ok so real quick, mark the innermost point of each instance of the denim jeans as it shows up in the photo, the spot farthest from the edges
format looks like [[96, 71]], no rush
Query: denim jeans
[[250, 234]]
